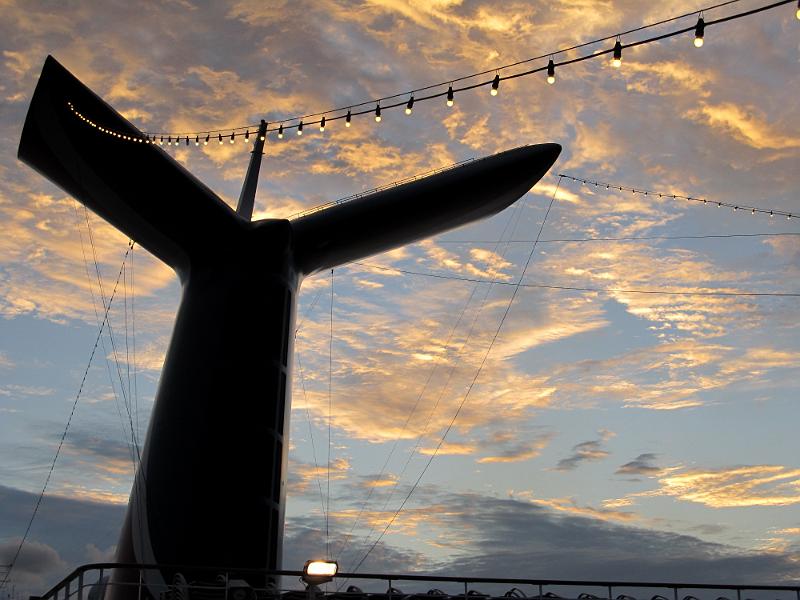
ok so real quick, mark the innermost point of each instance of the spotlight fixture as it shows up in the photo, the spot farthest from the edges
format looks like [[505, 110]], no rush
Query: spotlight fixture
[[495, 85], [316, 572], [450, 96], [699, 31], [551, 72]]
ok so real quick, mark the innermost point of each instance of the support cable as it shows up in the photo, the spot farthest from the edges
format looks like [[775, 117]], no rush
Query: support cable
[[330, 414], [471, 385], [576, 288], [512, 223], [103, 323]]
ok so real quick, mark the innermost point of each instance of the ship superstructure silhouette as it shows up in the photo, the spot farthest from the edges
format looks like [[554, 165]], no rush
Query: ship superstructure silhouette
[[221, 414]]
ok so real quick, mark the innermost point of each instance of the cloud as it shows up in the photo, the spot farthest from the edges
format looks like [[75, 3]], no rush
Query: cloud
[[588, 451], [641, 465], [745, 124], [37, 563], [756, 485]]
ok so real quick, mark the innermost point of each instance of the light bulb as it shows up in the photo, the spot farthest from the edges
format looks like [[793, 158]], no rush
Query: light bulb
[[551, 72], [617, 60], [232, 138], [495, 85], [247, 136], [450, 96], [205, 142], [300, 128], [699, 31], [378, 113], [280, 132], [322, 124], [410, 105], [347, 120], [197, 140]]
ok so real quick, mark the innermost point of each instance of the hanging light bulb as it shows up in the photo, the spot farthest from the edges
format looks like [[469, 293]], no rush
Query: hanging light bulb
[[233, 139], [551, 72], [205, 141], [617, 60], [264, 126], [280, 132], [797, 14], [410, 105], [450, 96], [169, 140], [322, 124], [495, 85], [247, 136], [300, 128], [699, 31], [187, 140], [378, 113], [197, 140], [347, 120], [220, 138]]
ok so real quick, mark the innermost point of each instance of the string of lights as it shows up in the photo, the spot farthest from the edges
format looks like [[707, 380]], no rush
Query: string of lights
[[434, 91], [719, 204]]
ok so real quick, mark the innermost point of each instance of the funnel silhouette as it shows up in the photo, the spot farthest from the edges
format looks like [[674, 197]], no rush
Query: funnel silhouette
[[210, 489]]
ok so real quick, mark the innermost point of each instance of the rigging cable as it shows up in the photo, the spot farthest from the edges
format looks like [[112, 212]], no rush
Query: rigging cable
[[330, 407], [579, 289], [103, 323], [472, 383], [513, 223]]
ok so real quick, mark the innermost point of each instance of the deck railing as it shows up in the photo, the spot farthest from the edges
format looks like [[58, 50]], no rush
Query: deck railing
[[94, 581]]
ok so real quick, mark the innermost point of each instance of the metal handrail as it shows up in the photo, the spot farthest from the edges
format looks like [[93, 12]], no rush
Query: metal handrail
[[78, 573]]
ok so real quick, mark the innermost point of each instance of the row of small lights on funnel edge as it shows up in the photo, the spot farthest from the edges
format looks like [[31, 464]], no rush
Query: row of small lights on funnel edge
[[616, 61]]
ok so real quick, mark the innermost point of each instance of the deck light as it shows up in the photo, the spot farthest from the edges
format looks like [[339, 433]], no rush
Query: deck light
[[316, 572]]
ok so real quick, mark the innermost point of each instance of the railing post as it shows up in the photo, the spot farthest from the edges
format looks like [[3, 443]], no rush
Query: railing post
[[738, 593], [466, 590], [80, 586], [610, 597], [140, 584], [675, 593], [540, 591], [66, 590]]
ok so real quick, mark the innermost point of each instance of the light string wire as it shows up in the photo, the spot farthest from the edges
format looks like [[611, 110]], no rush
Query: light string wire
[[472, 383], [297, 122], [623, 188], [69, 419]]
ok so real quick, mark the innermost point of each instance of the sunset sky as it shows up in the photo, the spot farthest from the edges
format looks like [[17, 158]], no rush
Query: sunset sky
[[610, 434]]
